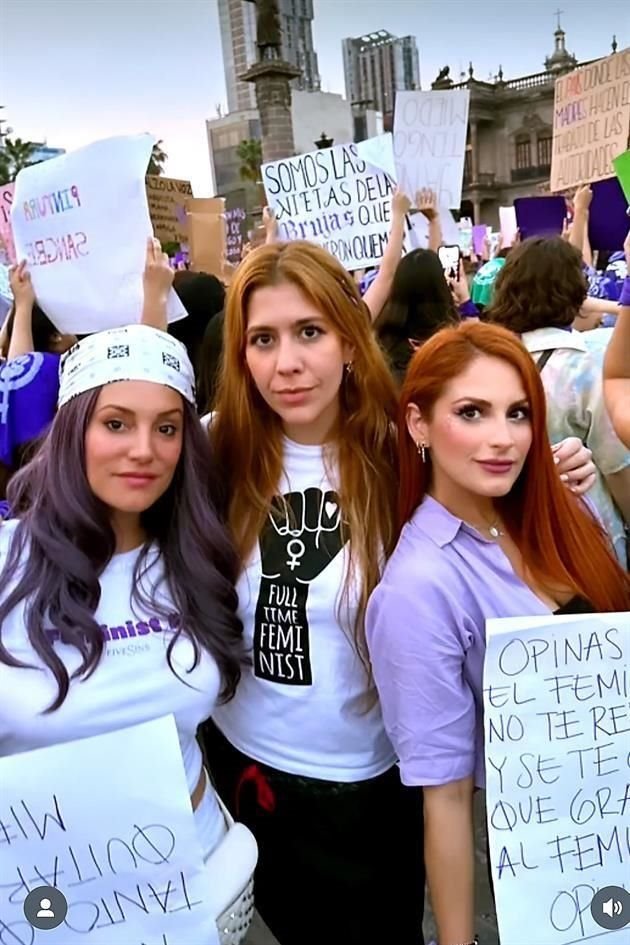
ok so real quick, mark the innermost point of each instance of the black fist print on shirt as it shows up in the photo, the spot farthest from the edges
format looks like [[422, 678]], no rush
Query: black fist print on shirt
[[304, 532]]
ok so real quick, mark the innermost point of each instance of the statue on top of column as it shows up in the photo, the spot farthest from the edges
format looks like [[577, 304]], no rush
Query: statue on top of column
[[268, 30]]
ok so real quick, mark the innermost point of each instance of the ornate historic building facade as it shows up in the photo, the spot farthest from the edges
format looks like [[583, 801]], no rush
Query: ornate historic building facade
[[509, 134]]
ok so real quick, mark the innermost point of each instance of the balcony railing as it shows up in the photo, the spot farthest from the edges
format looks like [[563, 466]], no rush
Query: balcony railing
[[483, 180], [530, 81], [520, 174]]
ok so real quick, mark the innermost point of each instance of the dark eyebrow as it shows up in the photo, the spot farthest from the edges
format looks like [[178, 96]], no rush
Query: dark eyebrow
[[478, 401], [165, 413], [298, 324]]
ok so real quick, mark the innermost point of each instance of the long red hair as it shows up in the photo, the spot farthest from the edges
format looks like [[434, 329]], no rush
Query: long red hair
[[561, 543]]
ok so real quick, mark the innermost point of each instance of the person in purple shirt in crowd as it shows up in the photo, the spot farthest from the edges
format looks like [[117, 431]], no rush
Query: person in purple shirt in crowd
[[29, 377], [487, 531]]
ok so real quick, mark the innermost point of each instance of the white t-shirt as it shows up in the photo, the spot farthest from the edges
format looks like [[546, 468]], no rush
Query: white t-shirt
[[133, 682], [298, 708]]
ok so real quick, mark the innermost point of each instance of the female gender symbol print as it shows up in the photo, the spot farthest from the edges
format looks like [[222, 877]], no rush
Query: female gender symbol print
[[17, 373]]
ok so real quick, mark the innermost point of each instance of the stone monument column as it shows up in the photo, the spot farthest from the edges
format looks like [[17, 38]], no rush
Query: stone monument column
[[272, 77]]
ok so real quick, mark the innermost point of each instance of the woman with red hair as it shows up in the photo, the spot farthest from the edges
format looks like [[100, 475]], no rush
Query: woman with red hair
[[488, 530]]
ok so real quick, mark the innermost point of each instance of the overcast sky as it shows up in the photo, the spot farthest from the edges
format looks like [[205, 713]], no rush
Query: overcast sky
[[72, 71]]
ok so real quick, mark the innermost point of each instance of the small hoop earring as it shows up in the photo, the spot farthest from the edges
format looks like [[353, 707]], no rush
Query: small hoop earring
[[422, 450], [349, 367]]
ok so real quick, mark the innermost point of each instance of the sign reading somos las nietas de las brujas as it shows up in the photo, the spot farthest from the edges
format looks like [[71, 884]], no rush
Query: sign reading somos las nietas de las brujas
[[333, 198]]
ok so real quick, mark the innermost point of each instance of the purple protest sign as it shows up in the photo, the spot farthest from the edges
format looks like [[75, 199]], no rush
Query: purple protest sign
[[608, 222], [540, 216], [479, 235]]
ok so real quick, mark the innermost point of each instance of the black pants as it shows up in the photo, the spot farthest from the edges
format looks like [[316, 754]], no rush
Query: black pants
[[339, 864]]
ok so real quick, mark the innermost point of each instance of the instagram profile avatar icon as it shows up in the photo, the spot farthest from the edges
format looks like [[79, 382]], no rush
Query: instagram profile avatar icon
[[45, 907]]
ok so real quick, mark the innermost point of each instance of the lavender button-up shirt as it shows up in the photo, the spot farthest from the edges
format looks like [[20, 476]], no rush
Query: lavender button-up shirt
[[425, 628]]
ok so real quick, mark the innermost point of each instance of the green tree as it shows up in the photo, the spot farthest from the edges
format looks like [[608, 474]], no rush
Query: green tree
[[249, 154], [15, 156], [5, 169], [157, 160]]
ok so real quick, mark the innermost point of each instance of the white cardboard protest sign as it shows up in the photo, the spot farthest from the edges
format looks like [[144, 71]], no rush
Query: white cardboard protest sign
[[379, 152], [430, 143], [81, 221], [334, 198], [108, 821], [419, 235], [508, 225], [557, 739]]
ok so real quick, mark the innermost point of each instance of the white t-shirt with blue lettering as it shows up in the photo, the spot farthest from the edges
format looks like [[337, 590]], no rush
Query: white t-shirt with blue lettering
[[133, 682]]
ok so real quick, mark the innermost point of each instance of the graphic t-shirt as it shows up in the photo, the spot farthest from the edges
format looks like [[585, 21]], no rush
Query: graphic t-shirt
[[133, 682], [302, 707]]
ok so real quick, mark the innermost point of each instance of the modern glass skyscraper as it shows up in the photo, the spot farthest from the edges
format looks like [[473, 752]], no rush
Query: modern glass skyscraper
[[376, 66]]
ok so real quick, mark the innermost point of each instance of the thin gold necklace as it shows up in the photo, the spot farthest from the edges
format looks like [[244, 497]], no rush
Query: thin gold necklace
[[494, 530]]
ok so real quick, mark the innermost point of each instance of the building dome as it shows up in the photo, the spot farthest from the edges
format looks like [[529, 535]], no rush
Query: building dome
[[560, 60]]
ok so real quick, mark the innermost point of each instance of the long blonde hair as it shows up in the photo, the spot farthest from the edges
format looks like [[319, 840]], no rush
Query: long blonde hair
[[247, 434]]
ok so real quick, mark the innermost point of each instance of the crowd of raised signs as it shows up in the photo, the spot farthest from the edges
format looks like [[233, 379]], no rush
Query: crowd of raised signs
[[301, 504]]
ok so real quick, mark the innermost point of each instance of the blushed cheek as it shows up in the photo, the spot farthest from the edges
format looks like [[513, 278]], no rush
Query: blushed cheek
[[458, 437]]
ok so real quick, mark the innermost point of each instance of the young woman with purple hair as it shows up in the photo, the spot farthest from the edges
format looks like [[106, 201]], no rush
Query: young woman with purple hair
[[118, 536]]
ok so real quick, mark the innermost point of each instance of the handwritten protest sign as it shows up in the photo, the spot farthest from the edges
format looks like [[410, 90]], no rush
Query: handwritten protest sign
[[235, 222], [81, 222], [7, 246], [167, 207], [430, 143], [557, 734], [124, 852], [334, 198], [591, 121]]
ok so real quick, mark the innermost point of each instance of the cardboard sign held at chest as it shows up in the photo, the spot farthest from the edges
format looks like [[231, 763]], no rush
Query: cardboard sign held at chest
[[125, 854], [556, 746]]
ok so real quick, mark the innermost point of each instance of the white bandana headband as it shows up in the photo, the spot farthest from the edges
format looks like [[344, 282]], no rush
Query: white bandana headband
[[134, 353]]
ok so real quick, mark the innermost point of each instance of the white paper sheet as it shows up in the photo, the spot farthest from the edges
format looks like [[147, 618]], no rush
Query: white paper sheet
[[557, 743], [108, 821], [334, 198], [81, 220], [430, 131]]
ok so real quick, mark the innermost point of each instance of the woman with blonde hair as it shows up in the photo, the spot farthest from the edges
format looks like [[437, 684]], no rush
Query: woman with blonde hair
[[304, 431], [487, 531]]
